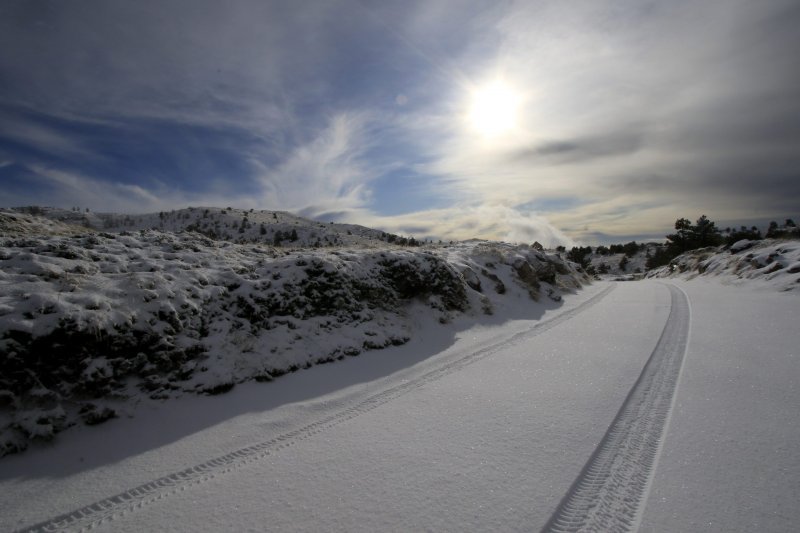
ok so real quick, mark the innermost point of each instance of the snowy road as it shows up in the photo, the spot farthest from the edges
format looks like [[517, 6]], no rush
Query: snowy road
[[564, 422], [608, 493]]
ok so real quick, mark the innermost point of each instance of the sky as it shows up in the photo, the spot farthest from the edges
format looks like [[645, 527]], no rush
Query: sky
[[565, 122]]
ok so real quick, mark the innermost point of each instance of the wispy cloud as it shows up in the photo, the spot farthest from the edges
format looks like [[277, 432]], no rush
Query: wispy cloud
[[42, 138], [51, 186], [326, 174]]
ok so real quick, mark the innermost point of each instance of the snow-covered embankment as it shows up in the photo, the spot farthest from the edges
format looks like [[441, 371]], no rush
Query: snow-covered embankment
[[773, 263], [89, 321]]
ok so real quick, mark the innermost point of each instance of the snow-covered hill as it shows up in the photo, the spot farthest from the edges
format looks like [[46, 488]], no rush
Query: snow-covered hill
[[90, 320], [618, 262], [18, 224], [277, 228], [622, 265], [773, 263]]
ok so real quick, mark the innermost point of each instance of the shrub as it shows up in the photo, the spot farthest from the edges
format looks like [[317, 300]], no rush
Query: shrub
[[734, 236]]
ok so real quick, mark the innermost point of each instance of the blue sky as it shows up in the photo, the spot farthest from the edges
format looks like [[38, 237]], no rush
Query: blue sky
[[581, 121]]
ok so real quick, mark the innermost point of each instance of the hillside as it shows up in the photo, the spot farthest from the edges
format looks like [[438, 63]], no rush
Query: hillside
[[15, 223], [772, 263], [91, 320], [619, 261], [277, 228], [621, 264]]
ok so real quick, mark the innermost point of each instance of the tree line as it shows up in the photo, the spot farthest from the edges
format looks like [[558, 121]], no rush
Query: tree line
[[687, 236]]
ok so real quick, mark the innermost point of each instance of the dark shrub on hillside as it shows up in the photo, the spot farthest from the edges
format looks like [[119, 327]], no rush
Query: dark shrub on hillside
[[579, 255], [734, 236], [788, 231]]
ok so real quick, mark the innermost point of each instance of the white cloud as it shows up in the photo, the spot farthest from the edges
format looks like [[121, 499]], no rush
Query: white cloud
[[641, 111], [485, 221], [529, 227], [325, 174]]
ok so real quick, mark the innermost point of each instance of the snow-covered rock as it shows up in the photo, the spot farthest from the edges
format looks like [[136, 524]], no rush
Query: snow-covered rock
[[771, 263], [90, 320]]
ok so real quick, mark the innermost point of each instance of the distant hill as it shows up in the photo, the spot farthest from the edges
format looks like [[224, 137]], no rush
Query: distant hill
[[277, 228]]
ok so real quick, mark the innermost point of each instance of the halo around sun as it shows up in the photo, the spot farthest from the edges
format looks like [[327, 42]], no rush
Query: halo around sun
[[494, 109]]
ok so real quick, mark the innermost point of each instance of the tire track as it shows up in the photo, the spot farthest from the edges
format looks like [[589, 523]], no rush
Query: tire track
[[113, 507], [609, 493]]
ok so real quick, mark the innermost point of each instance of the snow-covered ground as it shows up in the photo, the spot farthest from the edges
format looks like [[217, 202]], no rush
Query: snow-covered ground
[[687, 389], [730, 457], [92, 323], [611, 266], [667, 404], [773, 264]]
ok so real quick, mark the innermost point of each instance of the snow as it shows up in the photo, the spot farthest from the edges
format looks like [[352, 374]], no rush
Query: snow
[[730, 457], [434, 455], [466, 429], [106, 320], [771, 264], [234, 225], [635, 267], [666, 404]]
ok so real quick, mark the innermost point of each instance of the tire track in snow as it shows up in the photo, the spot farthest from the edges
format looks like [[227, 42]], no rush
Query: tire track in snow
[[113, 507], [610, 491]]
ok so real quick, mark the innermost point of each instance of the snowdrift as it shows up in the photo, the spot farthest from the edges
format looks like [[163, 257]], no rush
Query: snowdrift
[[89, 320]]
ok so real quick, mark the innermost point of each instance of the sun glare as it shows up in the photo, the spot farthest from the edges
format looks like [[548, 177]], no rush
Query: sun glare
[[494, 109]]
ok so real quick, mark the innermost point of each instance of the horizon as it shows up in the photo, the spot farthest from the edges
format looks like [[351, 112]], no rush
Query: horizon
[[722, 228], [589, 123]]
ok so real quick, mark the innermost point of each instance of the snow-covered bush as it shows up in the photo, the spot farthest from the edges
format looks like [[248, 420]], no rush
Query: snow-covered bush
[[88, 320], [775, 263]]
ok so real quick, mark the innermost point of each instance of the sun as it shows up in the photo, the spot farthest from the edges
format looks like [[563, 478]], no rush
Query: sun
[[494, 109]]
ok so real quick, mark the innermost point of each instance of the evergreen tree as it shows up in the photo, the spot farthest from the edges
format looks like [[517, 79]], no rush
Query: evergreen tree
[[579, 255], [630, 249], [772, 231], [707, 233], [689, 237]]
